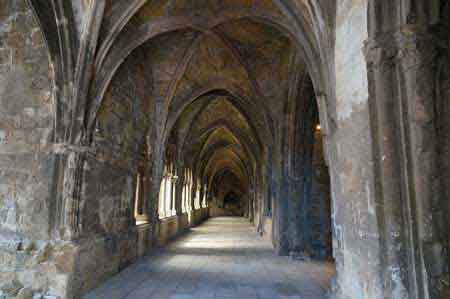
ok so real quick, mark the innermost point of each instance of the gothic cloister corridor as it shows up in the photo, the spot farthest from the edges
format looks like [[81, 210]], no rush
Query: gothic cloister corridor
[[223, 258], [226, 148]]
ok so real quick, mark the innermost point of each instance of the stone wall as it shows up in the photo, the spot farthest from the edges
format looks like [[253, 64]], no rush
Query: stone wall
[[110, 240], [33, 260], [29, 260], [198, 216], [119, 142], [319, 213], [170, 228], [26, 123]]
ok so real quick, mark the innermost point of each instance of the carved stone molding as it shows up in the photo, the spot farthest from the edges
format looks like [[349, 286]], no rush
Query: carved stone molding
[[379, 51], [409, 46], [401, 65]]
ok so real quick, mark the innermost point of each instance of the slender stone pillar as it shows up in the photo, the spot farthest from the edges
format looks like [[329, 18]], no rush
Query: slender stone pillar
[[71, 226], [179, 192], [281, 209]]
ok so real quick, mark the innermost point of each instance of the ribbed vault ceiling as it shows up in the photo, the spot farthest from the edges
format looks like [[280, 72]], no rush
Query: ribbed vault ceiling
[[217, 67], [219, 72]]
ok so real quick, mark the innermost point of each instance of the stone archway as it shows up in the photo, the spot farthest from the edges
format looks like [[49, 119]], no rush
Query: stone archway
[[124, 81]]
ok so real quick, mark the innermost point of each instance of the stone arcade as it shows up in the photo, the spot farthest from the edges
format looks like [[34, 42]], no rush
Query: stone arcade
[[325, 124]]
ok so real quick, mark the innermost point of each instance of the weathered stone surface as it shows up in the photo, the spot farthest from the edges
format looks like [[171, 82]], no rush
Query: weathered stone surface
[[11, 288], [123, 123], [25, 293]]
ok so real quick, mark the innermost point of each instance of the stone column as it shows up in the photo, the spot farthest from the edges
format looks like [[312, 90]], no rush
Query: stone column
[[417, 66], [71, 225], [384, 110], [179, 192], [162, 197], [281, 209], [192, 190], [69, 222], [401, 91], [254, 193], [298, 178], [174, 194], [145, 195], [297, 211], [168, 195], [156, 170], [202, 196], [188, 195], [443, 110]]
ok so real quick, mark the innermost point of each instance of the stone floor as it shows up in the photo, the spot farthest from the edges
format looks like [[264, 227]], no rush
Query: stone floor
[[222, 258]]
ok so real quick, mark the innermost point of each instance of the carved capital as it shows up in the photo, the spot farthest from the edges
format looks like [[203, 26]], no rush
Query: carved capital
[[409, 46], [416, 49], [67, 148], [380, 51]]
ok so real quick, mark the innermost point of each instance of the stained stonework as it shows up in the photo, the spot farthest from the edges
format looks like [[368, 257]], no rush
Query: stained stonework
[[124, 123], [29, 258], [26, 123]]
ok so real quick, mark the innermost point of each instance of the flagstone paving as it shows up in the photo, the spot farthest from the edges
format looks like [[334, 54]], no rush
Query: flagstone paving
[[222, 258]]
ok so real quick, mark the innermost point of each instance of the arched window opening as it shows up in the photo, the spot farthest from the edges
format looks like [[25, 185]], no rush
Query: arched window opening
[[173, 183], [141, 189], [197, 196], [184, 192], [205, 197], [161, 197], [167, 192], [189, 191], [139, 201]]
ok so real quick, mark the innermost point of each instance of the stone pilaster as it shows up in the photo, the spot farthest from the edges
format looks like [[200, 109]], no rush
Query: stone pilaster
[[418, 57], [401, 91], [380, 55]]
